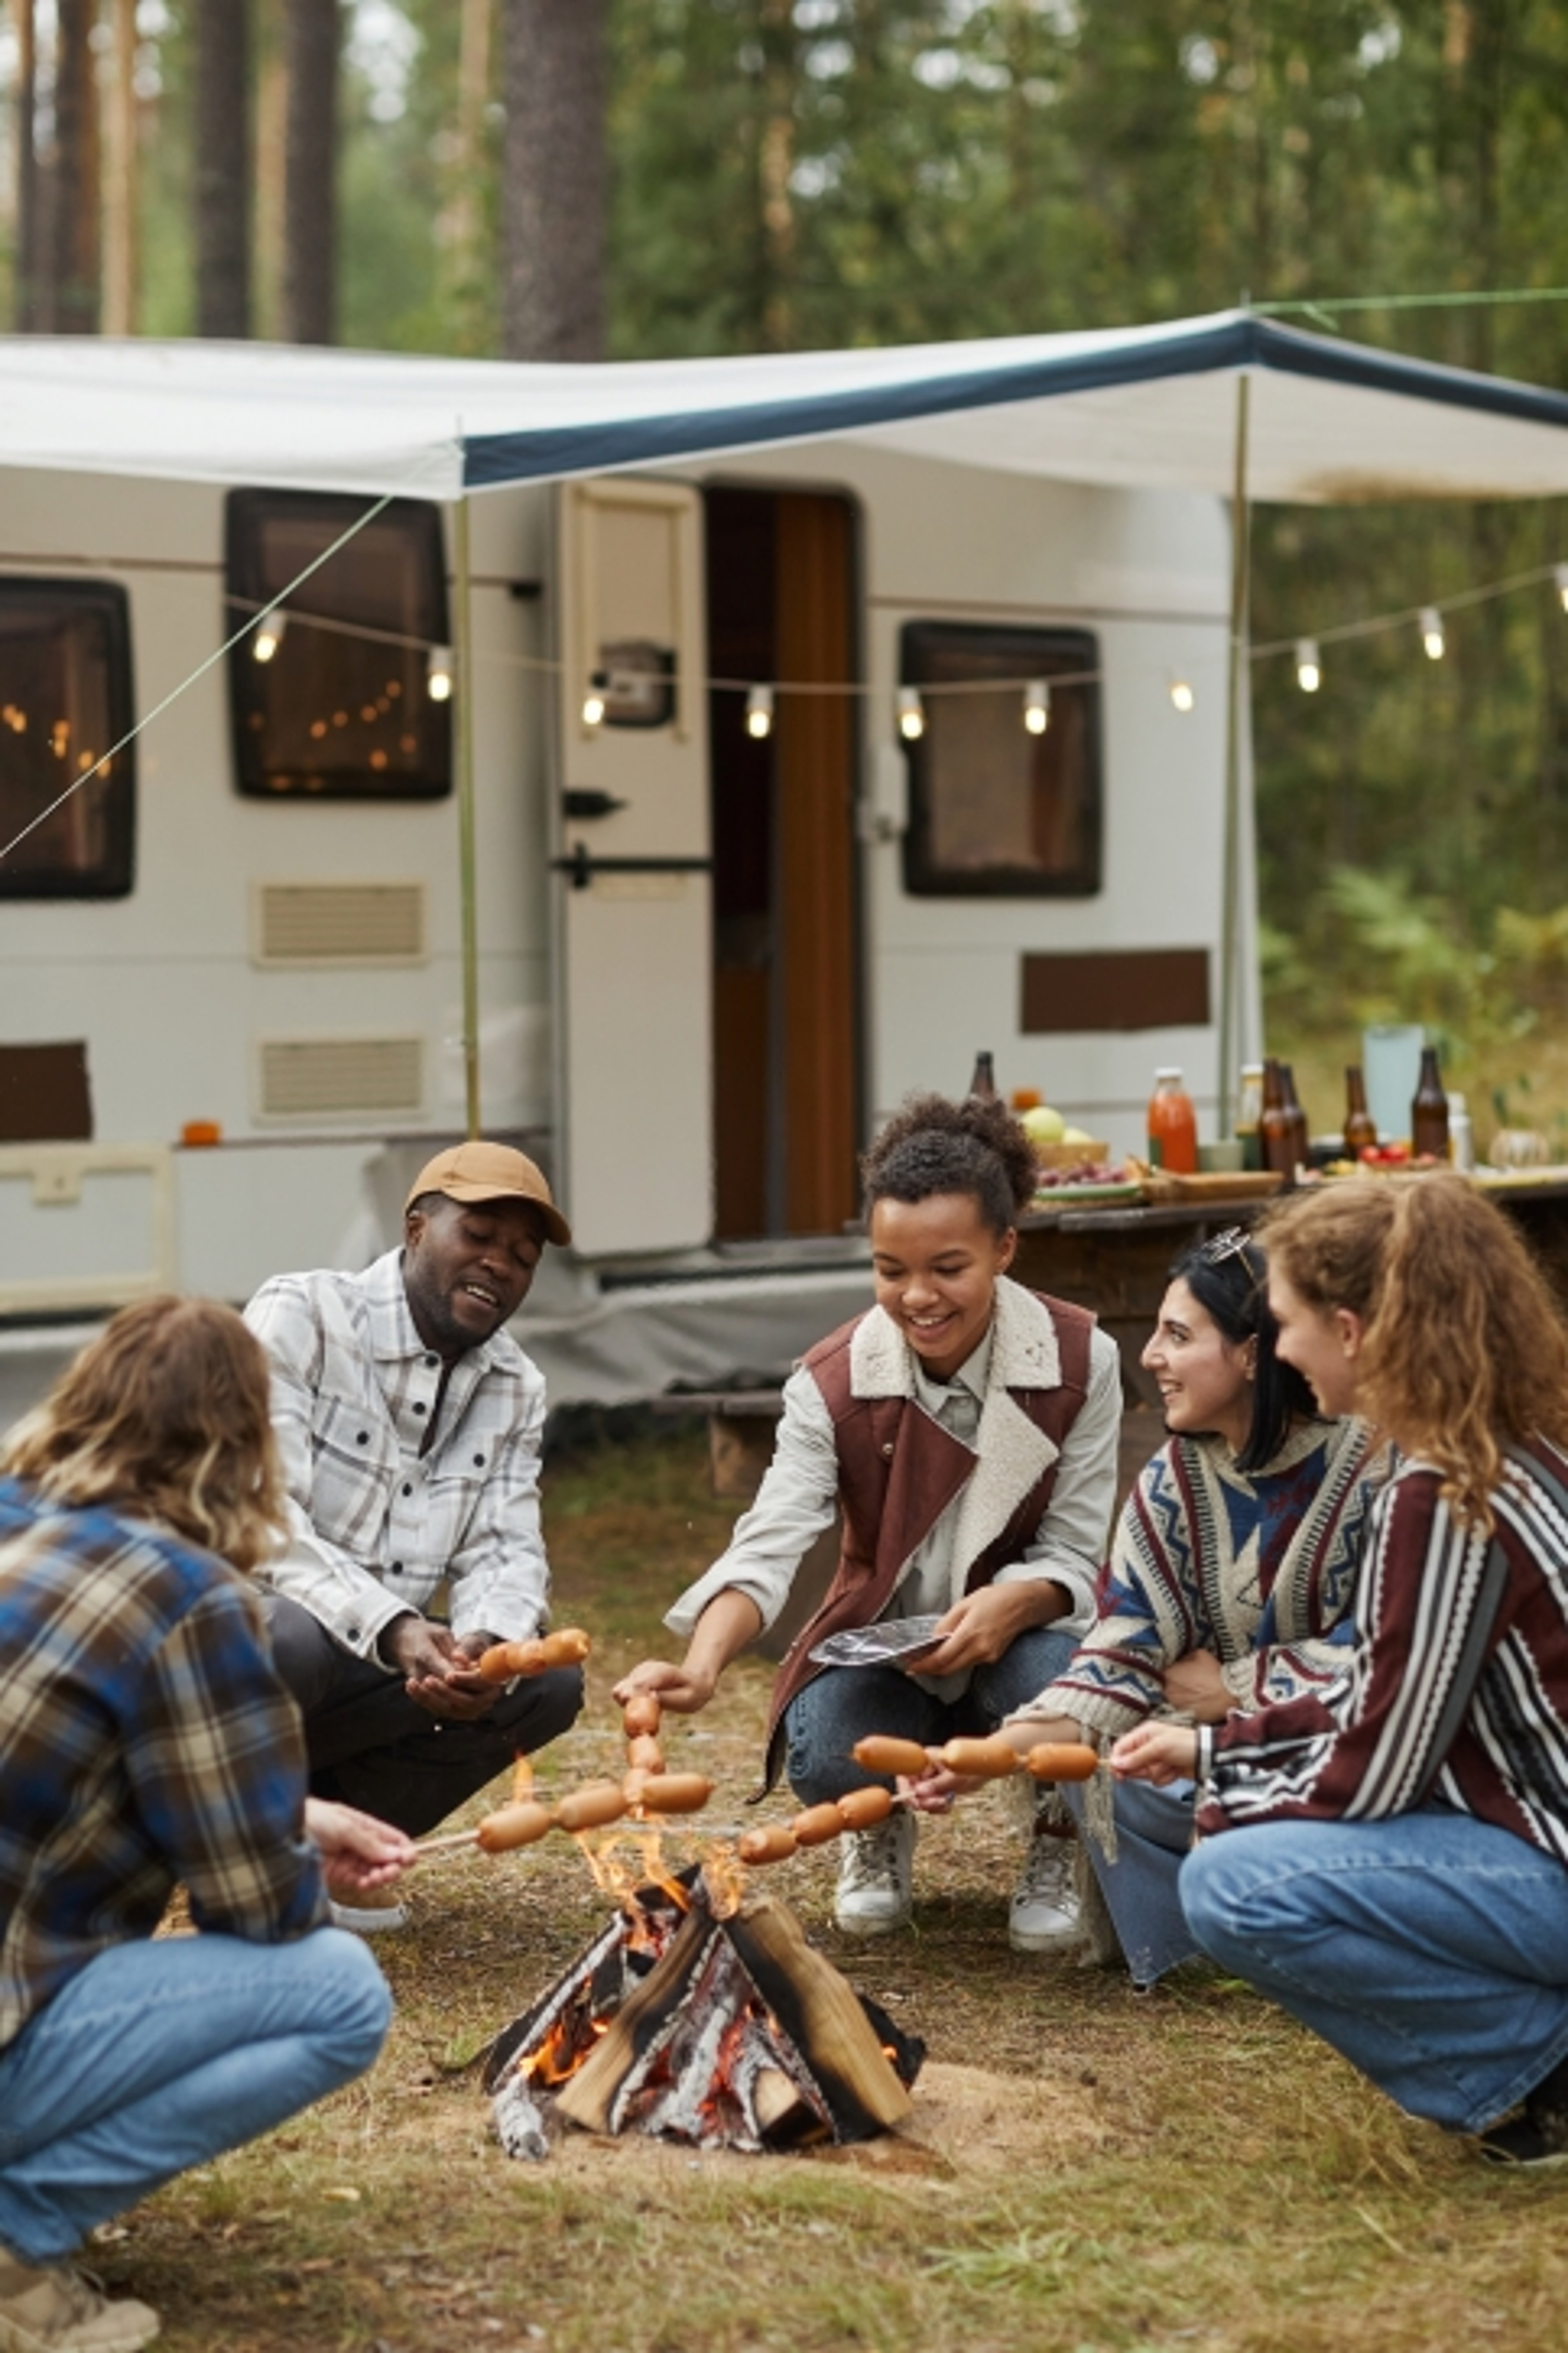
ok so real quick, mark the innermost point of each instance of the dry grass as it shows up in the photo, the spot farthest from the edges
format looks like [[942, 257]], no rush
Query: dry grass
[[1087, 2170]]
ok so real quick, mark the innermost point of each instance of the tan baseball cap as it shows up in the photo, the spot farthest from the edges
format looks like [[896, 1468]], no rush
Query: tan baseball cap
[[477, 1171]]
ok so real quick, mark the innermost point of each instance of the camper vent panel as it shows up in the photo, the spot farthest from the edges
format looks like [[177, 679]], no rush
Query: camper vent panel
[[340, 923], [335, 1077]]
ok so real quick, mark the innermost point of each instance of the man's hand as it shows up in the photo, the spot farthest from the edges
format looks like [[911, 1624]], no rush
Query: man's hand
[[357, 1852], [683, 1690], [1196, 1685], [1157, 1753], [980, 1628], [438, 1670]]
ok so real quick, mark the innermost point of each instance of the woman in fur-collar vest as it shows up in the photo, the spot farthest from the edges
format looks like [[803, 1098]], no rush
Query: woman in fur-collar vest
[[963, 1430]]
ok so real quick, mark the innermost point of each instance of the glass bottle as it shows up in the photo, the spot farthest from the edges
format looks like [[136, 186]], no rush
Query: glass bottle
[[982, 1086], [1461, 1134], [1277, 1136], [1361, 1128], [1429, 1111], [1298, 1119], [1249, 1113], [1173, 1125]]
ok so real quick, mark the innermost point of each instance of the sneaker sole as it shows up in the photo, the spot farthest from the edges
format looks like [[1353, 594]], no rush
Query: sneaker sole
[[1022, 1942], [368, 1923], [1497, 2160], [862, 1928]]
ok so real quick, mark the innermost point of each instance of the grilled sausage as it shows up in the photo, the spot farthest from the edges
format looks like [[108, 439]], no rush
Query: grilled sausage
[[989, 1759], [817, 1825], [642, 1716], [881, 1752], [774, 1843], [514, 1826], [590, 1807], [861, 1807], [674, 1793], [1061, 1760], [567, 1647], [644, 1754]]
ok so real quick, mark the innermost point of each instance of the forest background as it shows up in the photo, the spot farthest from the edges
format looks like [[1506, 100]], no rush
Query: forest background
[[641, 178]]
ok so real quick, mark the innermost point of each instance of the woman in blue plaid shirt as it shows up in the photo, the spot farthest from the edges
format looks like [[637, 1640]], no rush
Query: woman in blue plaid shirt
[[144, 1742]]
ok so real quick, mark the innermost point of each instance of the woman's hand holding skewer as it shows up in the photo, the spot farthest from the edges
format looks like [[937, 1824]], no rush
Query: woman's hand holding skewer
[[357, 1852], [1157, 1753]]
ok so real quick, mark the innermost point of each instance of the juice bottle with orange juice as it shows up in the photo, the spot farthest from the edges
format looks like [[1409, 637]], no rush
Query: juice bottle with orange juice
[[1173, 1125]]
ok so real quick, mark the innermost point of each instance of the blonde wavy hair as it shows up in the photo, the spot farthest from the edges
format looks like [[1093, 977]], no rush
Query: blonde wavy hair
[[1465, 1350], [166, 1414]]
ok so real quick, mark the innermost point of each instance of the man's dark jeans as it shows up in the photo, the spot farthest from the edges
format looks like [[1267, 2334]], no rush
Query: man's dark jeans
[[371, 1746]]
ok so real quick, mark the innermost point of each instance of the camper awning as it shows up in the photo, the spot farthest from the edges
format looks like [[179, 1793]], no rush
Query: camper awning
[[1146, 408]]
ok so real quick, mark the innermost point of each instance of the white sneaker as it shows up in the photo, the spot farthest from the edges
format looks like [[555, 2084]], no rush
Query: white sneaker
[[1044, 1917], [53, 2308], [875, 1889], [369, 1916]]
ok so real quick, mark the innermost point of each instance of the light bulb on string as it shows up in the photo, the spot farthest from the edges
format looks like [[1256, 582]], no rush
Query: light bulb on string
[[593, 701], [270, 635], [1432, 633], [1560, 580], [439, 674], [1308, 665], [1037, 706], [760, 711], [911, 715], [1182, 694]]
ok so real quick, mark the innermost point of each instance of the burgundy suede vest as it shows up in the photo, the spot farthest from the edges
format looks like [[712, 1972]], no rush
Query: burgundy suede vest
[[898, 1472]]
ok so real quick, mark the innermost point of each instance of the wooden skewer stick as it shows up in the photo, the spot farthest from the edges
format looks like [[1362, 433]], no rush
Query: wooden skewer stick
[[448, 1838]]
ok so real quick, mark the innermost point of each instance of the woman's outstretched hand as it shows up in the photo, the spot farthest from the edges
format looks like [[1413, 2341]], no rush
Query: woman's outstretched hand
[[679, 1689], [357, 1852], [1157, 1753]]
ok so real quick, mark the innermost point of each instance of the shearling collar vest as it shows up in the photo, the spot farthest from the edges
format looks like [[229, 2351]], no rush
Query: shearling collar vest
[[899, 1470]]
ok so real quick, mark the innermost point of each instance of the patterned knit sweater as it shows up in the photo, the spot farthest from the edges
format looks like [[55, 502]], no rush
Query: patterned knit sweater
[[1257, 1568]]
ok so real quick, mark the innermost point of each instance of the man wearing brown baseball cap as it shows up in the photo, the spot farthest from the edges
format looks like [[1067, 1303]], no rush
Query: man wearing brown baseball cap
[[409, 1422]]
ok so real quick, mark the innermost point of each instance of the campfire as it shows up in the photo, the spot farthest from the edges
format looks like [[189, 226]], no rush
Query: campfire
[[705, 2018]]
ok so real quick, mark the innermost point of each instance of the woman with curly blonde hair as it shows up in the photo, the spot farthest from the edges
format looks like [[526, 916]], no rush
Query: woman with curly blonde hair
[[1401, 1885], [145, 1741]]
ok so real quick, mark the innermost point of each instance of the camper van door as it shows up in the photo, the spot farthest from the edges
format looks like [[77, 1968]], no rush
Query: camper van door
[[633, 883]]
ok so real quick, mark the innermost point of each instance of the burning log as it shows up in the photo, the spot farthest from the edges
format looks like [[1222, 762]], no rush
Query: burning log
[[717, 2032]]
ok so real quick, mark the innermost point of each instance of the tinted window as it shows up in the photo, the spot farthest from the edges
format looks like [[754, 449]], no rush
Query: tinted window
[[65, 698], [344, 710], [994, 809]]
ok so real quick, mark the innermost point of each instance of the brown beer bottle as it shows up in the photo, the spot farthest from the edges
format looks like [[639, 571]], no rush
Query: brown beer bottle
[[1297, 1118], [1360, 1129], [1275, 1135], [1429, 1111], [982, 1086]]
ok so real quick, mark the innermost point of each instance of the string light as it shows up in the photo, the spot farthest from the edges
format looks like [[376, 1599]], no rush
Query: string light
[[270, 636], [1432, 636], [439, 674], [1308, 665], [593, 701], [760, 711], [1182, 694], [1559, 576], [911, 715], [1037, 706]]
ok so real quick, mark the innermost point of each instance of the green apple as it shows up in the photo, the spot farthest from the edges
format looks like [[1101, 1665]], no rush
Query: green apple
[[1044, 1125]]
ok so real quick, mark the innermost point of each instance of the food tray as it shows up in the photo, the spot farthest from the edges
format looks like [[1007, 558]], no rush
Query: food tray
[[1070, 1156], [1214, 1185]]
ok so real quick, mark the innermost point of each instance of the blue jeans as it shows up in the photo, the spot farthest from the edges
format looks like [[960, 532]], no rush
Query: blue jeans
[[824, 1722], [1153, 1833], [157, 2055], [1430, 1949]]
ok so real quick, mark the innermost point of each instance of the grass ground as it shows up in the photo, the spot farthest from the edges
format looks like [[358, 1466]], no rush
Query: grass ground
[[1085, 2169]]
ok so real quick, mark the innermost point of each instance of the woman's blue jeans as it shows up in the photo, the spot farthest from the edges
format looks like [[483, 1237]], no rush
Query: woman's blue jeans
[[1153, 1833], [161, 2053], [1430, 1949], [843, 1704]]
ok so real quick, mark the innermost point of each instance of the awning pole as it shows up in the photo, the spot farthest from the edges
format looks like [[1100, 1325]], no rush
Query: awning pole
[[466, 857], [1238, 681]]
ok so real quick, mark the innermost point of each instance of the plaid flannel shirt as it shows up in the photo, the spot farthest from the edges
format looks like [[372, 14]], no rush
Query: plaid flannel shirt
[[145, 1739], [375, 1526]]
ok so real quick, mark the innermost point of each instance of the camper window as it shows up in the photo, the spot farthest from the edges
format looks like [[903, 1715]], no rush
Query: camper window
[[1004, 779], [349, 700], [65, 701]]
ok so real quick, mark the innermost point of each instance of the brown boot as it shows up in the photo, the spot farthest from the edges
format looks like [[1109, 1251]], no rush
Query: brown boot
[[53, 2308]]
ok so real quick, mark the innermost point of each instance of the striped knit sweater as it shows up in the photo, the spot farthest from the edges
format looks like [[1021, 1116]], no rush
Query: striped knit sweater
[[1366, 1749], [1257, 1568]]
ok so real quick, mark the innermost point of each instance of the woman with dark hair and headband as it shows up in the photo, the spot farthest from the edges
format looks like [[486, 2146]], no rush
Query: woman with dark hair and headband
[[965, 1429], [1229, 1581]]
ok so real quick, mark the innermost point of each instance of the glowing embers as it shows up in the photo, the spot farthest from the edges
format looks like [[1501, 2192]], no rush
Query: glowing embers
[[718, 2032]]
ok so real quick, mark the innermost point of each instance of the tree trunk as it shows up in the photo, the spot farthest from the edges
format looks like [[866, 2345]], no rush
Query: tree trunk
[[120, 241], [554, 180], [223, 168], [74, 276], [25, 283], [310, 173]]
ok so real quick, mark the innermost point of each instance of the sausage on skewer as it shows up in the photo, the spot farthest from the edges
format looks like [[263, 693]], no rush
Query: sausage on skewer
[[1062, 1761], [514, 1826], [567, 1647]]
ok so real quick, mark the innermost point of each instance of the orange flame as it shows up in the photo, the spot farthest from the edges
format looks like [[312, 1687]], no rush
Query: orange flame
[[522, 1779]]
